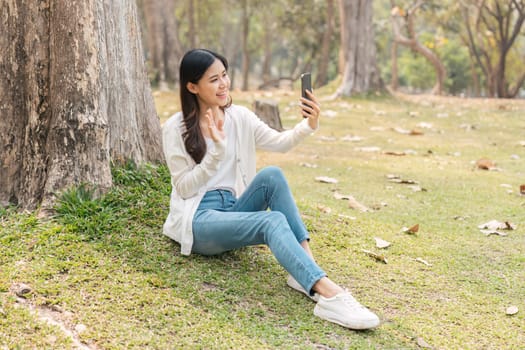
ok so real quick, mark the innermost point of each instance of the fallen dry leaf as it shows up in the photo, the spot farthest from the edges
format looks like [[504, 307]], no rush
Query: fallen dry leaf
[[423, 344], [397, 179], [351, 138], [401, 130], [497, 225], [416, 132], [368, 149], [512, 310], [326, 179], [346, 217], [411, 230], [417, 188], [382, 244], [338, 195], [324, 209], [425, 125], [394, 153], [493, 232], [423, 261], [308, 165], [485, 164], [468, 127], [376, 256], [20, 289], [354, 204]]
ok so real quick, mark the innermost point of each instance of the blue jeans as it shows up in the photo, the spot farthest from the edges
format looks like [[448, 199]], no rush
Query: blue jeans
[[223, 223]]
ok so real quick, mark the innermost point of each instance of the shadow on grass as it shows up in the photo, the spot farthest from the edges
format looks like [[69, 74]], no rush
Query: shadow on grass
[[245, 285]]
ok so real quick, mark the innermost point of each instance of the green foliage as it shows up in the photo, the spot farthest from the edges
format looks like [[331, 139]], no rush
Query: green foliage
[[415, 71], [94, 218], [456, 60]]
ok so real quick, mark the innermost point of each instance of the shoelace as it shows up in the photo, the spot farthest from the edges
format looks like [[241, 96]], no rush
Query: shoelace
[[350, 301]]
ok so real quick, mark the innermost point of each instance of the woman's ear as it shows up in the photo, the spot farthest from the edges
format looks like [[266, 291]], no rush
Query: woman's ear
[[192, 87]]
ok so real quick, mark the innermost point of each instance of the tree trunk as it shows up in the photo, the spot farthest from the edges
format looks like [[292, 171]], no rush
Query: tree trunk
[[412, 42], [361, 73], [163, 45], [75, 97], [244, 44], [268, 112], [268, 38], [322, 75], [192, 33], [394, 83]]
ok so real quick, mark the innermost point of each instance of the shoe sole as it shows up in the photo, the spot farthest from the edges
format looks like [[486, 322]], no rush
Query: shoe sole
[[359, 326]]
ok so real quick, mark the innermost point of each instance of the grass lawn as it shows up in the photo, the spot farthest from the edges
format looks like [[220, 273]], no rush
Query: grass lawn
[[102, 276]]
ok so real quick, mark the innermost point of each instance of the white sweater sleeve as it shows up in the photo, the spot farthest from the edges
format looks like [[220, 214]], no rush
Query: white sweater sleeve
[[187, 176], [272, 140]]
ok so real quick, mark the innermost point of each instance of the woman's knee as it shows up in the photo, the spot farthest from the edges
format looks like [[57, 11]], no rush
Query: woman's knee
[[272, 172]]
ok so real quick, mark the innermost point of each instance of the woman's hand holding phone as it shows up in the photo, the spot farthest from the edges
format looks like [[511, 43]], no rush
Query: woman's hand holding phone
[[309, 105]]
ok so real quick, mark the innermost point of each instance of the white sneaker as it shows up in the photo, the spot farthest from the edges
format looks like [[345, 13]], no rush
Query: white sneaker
[[344, 310], [292, 283]]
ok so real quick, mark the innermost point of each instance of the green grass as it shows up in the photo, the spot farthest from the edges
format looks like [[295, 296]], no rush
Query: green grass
[[104, 264]]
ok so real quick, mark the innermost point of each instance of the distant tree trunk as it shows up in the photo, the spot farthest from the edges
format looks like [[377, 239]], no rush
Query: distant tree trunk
[[75, 97], [245, 67], [361, 73], [268, 39], [164, 48], [324, 60], [192, 33], [394, 84], [412, 42]]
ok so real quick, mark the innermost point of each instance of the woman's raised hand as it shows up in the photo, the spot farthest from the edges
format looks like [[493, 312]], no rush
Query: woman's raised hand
[[215, 127], [310, 109]]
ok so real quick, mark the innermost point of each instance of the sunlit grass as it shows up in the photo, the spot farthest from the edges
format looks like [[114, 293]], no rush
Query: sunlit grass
[[104, 264]]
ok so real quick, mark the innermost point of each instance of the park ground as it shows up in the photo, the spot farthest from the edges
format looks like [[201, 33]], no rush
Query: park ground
[[101, 275]]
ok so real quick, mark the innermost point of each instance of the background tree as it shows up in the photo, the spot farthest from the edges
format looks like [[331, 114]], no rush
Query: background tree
[[492, 28], [75, 97], [405, 19], [164, 49], [360, 73], [324, 57]]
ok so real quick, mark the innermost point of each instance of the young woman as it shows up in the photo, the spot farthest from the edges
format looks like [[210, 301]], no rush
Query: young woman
[[219, 202]]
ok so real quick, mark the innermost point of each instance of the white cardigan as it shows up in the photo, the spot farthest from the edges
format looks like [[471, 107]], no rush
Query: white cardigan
[[188, 179]]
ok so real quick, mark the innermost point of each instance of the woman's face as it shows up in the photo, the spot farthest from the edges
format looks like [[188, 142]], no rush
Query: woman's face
[[212, 89]]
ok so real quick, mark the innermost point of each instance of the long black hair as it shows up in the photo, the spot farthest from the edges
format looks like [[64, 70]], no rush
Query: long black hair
[[192, 67]]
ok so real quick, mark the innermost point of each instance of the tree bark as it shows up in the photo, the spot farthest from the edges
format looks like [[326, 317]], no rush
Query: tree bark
[[75, 97], [361, 73]]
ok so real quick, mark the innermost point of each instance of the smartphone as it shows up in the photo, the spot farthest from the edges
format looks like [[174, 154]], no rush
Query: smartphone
[[306, 84]]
